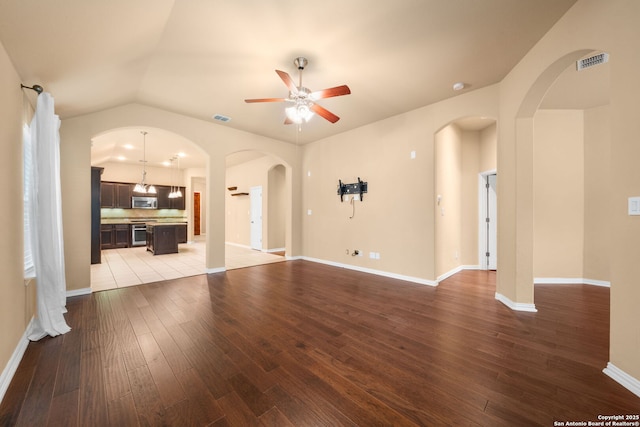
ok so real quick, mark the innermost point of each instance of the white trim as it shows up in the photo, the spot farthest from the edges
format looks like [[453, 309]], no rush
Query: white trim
[[621, 377], [569, 281], [456, 270], [293, 258], [12, 365], [215, 270], [482, 217], [238, 245], [274, 250], [78, 292], [516, 306], [372, 271]]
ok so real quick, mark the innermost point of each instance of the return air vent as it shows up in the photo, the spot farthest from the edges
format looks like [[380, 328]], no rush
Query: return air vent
[[598, 59], [221, 118]]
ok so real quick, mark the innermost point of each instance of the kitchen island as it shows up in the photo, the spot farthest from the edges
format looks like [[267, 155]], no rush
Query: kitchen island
[[163, 238]]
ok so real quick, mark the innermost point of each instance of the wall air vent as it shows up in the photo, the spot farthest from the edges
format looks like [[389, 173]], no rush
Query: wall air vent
[[221, 118], [598, 59]]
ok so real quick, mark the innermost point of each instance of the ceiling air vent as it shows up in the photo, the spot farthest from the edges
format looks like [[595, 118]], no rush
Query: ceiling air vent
[[598, 59], [221, 118]]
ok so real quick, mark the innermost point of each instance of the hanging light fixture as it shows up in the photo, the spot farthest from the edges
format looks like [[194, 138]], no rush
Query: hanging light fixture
[[172, 191], [142, 187], [178, 193], [175, 189]]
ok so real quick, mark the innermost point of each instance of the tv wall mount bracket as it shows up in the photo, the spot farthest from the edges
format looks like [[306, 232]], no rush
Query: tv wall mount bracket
[[359, 188]]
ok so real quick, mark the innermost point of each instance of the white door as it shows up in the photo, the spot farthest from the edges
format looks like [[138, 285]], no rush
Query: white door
[[492, 222], [255, 195]]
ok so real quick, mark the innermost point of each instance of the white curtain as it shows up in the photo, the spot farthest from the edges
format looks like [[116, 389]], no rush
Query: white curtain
[[45, 218]]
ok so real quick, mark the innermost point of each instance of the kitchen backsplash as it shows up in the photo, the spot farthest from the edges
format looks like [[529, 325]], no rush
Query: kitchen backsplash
[[164, 214]]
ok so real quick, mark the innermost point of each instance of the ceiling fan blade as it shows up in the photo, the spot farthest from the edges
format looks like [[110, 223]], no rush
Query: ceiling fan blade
[[328, 93], [324, 113], [288, 81], [265, 100], [288, 121]]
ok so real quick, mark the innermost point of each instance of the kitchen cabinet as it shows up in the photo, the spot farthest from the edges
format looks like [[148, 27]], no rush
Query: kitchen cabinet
[[95, 215], [162, 239], [181, 232], [115, 236], [164, 202], [115, 195]]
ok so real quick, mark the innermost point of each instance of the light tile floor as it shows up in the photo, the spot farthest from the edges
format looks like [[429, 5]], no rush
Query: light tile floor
[[134, 266]]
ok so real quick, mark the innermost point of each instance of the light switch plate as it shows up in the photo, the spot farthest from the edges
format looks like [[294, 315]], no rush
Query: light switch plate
[[634, 205]]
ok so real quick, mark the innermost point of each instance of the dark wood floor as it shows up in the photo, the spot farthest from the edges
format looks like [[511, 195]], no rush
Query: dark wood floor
[[305, 344]]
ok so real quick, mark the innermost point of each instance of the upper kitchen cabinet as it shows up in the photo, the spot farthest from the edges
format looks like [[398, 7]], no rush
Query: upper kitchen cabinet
[[164, 202], [115, 195]]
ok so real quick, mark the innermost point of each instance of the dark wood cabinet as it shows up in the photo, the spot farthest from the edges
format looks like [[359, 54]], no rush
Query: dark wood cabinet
[[107, 194], [123, 195], [181, 232], [164, 202], [115, 195], [162, 239], [95, 215], [118, 195], [115, 236]]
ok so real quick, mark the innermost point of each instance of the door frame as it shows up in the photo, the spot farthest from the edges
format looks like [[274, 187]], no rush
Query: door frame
[[255, 229], [482, 218]]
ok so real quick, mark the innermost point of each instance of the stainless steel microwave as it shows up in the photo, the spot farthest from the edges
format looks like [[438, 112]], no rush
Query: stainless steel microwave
[[144, 202]]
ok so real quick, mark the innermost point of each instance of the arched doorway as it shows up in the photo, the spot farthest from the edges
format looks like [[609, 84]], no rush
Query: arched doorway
[[169, 162], [464, 149], [248, 174]]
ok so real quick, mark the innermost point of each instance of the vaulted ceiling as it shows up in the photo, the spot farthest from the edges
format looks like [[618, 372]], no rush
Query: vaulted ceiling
[[204, 57]]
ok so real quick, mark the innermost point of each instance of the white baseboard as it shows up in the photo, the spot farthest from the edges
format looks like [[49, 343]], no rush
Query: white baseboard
[[78, 292], [238, 245], [627, 381], [372, 271], [293, 258], [570, 281], [215, 270], [457, 270], [274, 250], [516, 306], [12, 365]]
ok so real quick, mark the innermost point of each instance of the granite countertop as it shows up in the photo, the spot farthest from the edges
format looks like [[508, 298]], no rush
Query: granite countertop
[[162, 223], [107, 221]]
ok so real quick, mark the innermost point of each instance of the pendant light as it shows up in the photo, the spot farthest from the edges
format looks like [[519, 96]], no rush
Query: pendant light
[[142, 187], [172, 192], [178, 193]]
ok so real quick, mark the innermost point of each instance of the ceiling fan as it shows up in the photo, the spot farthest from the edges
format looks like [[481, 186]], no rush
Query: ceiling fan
[[302, 100]]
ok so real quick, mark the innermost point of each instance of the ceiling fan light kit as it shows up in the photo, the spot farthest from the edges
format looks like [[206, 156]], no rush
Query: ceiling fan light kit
[[302, 99]]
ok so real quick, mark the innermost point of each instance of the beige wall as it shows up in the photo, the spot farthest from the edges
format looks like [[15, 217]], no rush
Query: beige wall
[[488, 149], [571, 193], [277, 207], [558, 194], [124, 172], [217, 141], [597, 200], [448, 215], [461, 156], [397, 217], [16, 303], [520, 94], [255, 173]]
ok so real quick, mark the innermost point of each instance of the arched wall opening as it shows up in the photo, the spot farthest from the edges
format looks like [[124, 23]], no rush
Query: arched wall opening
[[524, 185], [215, 140], [464, 149], [249, 169]]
